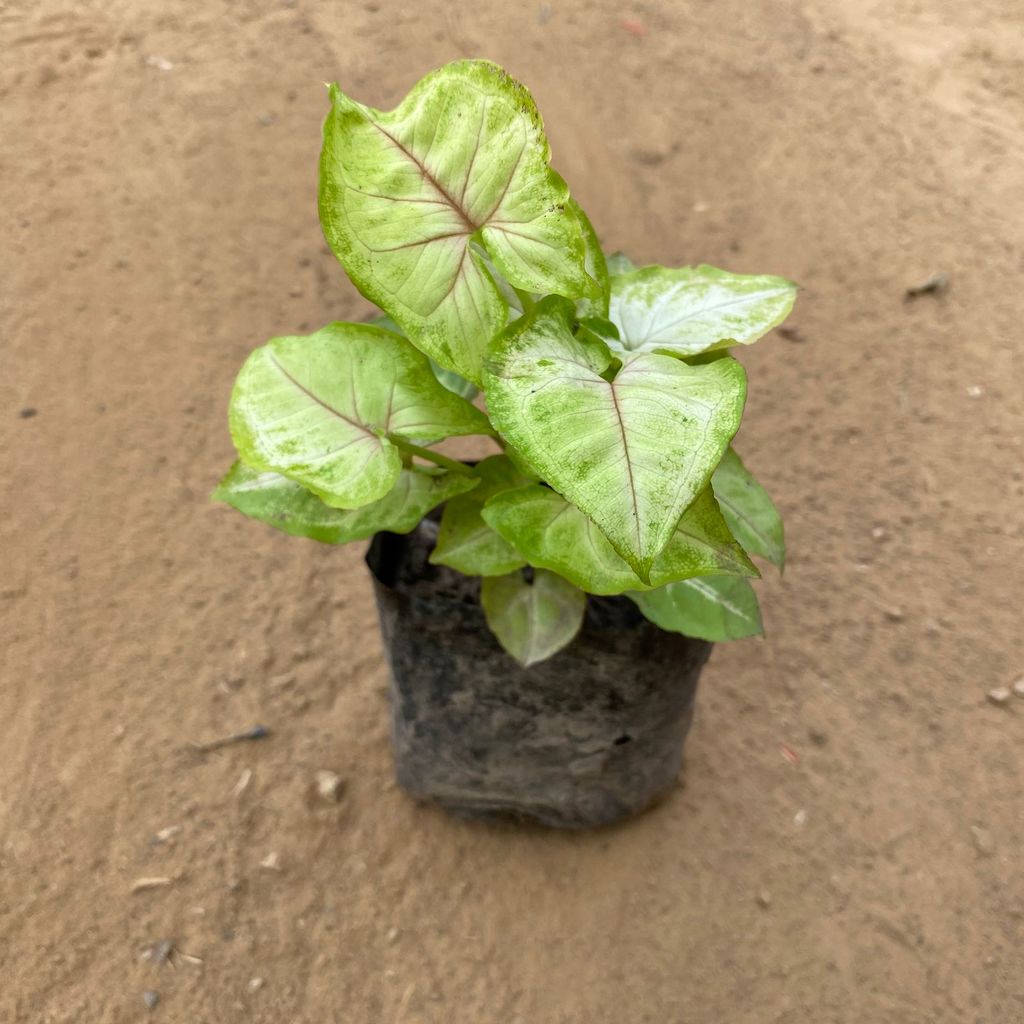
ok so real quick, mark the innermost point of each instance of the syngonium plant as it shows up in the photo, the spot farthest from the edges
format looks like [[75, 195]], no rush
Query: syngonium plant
[[609, 388]]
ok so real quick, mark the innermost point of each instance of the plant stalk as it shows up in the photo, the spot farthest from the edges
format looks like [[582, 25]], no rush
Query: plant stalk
[[425, 453]]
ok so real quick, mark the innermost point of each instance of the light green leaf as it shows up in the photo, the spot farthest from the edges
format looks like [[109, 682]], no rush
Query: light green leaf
[[597, 268], [603, 328], [288, 506], [453, 382], [465, 542], [327, 410], [556, 535], [387, 323], [632, 453], [595, 306], [708, 607], [449, 378], [619, 263], [403, 193], [532, 620], [753, 519], [694, 309]]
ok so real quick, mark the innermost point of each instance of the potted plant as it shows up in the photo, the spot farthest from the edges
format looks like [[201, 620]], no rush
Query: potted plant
[[546, 611]]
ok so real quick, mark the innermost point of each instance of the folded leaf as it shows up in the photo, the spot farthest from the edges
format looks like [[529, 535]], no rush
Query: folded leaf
[[532, 620], [325, 409], [753, 519], [465, 542], [288, 506], [693, 309], [556, 535], [631, 453], [403, 192], [711, 608]]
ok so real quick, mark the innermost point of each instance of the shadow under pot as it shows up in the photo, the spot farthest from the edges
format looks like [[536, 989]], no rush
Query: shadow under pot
[[591, 735]]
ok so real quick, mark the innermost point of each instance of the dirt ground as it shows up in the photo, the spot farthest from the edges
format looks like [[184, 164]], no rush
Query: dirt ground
[[157, 192]]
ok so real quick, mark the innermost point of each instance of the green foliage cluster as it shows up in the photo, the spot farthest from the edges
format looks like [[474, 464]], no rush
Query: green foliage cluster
[[609, 388]]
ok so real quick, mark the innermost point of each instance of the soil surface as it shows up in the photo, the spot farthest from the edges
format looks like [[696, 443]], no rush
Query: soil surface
[[845, 845]]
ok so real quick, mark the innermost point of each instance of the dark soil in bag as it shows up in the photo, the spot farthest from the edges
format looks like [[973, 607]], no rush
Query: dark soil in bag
[[591, 735]]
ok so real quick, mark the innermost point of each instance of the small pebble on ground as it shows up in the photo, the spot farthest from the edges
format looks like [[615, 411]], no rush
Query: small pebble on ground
[[329, 786], [159, 952], [145, 884], [937, 284], [243, 783], [166, 835]]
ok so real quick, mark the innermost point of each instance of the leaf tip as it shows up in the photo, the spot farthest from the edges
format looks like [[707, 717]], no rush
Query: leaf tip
[[749, 566], [642, 567]]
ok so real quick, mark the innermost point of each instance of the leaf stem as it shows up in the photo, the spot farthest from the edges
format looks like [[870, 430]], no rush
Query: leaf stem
[[425, 453]]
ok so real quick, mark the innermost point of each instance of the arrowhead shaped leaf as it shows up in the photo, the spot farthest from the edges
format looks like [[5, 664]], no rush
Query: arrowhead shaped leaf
[[711, 608], [402, 194], [532, 620], [465, 542], [632, 453], [288, 506], [693, 309], [323, 410], [752, 518], [556, 535]]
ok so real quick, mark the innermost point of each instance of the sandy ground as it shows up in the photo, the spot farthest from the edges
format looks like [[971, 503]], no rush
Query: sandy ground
[[157, 192]]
